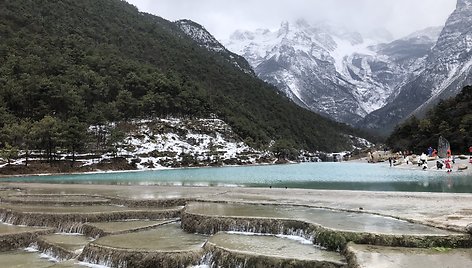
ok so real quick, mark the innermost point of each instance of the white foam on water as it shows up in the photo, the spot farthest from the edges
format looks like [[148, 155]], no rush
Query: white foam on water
[[92, 265], [31, 249], [48, 257], [299, 239], [69, 234]]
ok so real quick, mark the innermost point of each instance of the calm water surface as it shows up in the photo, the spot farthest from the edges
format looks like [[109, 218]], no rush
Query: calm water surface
[[342, 176]]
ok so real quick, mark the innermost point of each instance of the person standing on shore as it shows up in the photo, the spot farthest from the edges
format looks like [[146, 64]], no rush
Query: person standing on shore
[[470, 153], [430, 151], [448, 165], [423, 159]]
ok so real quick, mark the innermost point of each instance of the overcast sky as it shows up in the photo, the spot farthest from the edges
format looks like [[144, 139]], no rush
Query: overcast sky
[[223, 17]]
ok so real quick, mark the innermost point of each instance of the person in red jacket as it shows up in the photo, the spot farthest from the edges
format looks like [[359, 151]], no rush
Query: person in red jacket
[[470, 151], [448, 165]]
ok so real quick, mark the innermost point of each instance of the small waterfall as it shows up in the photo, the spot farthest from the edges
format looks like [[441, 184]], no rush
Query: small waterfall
[[194, 223], [123, 258], [7, 217], [216, 257], [91, 231], [206, 261], [323, 237], [19, 240], [102, 256], [71, 227], [55, 250]]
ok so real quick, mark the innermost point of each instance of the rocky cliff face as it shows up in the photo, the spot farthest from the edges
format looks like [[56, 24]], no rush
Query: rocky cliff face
[[203, 38], [331, 70], [447, 69]]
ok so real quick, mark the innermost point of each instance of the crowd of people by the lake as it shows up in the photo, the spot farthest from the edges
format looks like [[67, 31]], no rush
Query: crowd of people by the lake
[[447, 162]]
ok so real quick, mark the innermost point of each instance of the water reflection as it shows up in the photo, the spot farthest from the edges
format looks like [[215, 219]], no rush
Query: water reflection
[[342, 176]]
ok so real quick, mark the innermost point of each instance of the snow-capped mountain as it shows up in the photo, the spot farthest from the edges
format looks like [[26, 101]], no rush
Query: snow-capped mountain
[[332, 70], [202, 37], [447, 69], [367, 80]]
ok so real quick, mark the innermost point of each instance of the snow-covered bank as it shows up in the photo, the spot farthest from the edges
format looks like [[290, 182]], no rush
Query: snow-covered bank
[[163, 143], [178, 142]]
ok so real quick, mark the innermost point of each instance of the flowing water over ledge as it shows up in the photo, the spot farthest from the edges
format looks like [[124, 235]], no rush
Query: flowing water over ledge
[[125, 226], [275, 247], [339, 220], [165, 238], [70, 242], [165, 246], [341, 176]]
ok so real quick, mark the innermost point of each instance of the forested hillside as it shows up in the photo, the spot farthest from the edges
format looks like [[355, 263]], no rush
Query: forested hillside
[[451, 119], [65, 65]]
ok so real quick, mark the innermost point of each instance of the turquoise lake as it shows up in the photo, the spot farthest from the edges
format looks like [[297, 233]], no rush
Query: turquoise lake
[[341, 176]]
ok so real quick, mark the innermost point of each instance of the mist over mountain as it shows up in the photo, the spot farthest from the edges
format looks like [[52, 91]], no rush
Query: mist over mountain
[[332, 70], [363, 79]]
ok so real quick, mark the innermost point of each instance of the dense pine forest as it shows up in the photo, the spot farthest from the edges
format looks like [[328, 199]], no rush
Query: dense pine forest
[[66, 65], [451, 119]]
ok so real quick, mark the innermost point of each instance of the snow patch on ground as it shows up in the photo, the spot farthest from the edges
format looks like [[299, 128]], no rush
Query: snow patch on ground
[[162, 142]]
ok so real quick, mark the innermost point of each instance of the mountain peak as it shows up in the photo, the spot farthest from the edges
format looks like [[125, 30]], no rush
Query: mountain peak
[[284, 28]]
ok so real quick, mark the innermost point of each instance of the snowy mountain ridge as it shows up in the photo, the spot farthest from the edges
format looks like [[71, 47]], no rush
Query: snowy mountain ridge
[[204, 39], [370, 81], [200, 35], [447, 69], [325, 68]]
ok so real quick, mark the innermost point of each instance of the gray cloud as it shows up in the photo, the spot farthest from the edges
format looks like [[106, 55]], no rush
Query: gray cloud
[[222, 17]]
